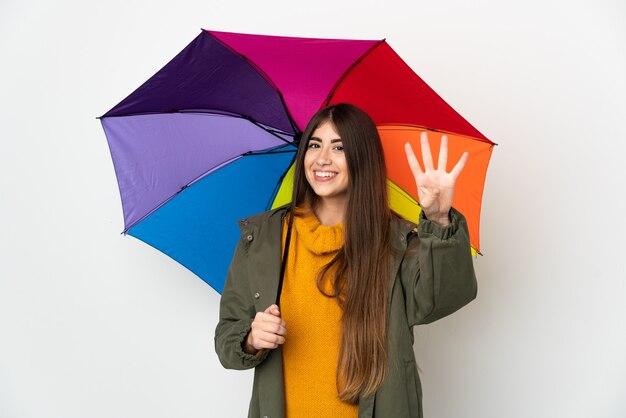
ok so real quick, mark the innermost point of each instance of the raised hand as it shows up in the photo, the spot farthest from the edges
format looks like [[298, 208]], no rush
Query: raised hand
[[267, 331], [435, 187]]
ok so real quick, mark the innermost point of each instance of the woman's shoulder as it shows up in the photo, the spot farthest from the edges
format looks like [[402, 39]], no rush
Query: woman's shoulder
[[402, 225], [276, 214]]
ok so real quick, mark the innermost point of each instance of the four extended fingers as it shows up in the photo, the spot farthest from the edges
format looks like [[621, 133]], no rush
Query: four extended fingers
[[428, 159], [456, 171], [443, 154], [413, 163]]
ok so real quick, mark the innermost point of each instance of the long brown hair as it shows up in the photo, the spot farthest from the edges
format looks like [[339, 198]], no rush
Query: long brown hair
[[361, 266]]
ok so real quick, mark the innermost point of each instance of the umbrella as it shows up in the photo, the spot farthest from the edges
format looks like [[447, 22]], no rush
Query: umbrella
[[210, 138]]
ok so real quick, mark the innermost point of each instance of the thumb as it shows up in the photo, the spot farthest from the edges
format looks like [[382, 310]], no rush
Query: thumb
[[273, 309], [428, 197]]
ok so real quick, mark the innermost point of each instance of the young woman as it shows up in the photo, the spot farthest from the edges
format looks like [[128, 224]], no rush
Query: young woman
[[356, 279]]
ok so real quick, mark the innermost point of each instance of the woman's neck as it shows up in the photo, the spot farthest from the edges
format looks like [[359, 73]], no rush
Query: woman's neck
[[330, 212]]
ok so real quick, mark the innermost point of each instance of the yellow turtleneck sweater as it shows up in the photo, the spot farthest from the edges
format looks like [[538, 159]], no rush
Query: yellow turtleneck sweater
[[311, 345]]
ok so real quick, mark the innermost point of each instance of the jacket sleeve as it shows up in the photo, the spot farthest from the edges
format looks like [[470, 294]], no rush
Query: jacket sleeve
[[237, 312], [437, 271]]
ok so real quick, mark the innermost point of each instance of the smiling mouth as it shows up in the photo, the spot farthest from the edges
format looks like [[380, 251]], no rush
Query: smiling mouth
[[325, 174]]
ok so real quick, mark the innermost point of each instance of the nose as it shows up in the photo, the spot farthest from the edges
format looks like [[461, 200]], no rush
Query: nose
[[323, 157]]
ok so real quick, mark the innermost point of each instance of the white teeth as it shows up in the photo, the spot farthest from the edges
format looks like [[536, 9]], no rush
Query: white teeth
[[325, 174]]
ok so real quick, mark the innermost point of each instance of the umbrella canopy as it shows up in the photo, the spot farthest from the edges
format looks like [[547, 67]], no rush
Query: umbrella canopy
[[209, 139]]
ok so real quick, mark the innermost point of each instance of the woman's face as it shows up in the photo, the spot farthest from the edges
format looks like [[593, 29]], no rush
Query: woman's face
[[325, 164]]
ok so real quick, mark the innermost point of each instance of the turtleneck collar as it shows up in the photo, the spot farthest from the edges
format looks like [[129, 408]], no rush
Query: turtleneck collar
[[317, 238]]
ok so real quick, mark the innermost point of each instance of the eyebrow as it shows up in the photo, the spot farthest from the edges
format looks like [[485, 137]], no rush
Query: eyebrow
[[332, 141]]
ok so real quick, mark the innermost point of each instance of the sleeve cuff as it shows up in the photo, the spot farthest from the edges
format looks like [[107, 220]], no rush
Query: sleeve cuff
[[427, 226], [254, 358]]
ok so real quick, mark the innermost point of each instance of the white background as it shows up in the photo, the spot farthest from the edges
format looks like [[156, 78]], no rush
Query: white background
[[95, 324]]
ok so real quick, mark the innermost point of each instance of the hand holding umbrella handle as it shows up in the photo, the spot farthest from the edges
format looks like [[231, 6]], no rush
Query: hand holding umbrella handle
[[435, 187], [267, 331]]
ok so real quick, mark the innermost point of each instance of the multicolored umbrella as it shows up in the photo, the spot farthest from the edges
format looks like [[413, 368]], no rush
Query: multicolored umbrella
[[209, 139]]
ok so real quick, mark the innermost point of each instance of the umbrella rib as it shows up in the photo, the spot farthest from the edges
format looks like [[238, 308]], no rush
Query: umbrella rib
[[268, 206], [206, 173], [254, 153], [271, 131], [263, 74], [197, 178], [160, 112], [392, 125], [350, 68]]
